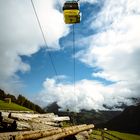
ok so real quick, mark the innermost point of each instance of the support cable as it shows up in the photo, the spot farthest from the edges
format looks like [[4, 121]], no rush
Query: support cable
[[50, 56], [73, 40], [73, 58]]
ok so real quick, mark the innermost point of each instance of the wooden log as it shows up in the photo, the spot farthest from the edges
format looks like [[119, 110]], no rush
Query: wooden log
[[60, 119], [14, 111], [8, 124], [82, 135], [21, 125], [50, 117], [36, 134], [26, 116], [7, 120], [11, 135], [53, 134], [68, 132]]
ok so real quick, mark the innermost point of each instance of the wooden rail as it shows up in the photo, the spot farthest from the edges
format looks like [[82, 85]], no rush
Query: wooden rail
[[104, 135], [113, 136]]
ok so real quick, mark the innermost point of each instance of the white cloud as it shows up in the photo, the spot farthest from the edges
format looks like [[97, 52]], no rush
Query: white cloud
[[53, 23], [115, 49], [88, 95], [89, 1], [60, 77], [20, 34]]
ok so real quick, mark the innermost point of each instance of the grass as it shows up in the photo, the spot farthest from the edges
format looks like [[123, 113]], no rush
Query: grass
[[12, 106], [125, 136], [114, 135]]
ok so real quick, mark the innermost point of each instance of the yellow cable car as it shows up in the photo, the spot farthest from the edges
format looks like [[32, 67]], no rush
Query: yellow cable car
[[71, 12]]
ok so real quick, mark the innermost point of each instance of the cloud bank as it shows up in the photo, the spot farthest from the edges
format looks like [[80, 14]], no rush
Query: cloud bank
[[88, 95], [115, 50], [20, 35]]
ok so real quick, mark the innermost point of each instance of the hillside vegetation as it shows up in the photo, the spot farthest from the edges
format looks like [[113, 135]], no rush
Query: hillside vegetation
[[12, 106], [84, 116], [127, 121], [22, 101], [112, 135]]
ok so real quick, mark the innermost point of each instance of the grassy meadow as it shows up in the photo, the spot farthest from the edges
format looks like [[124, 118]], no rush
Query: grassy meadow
[[12, 106], [112, 135]]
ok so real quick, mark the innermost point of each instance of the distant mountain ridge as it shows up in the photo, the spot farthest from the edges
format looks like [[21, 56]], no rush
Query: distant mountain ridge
[[84, 116], [127, 121]]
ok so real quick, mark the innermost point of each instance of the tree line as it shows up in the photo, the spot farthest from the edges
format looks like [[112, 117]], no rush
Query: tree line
[[21, 100]]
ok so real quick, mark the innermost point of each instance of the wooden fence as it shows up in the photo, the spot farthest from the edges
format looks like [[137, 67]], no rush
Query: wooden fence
[[104, 135]]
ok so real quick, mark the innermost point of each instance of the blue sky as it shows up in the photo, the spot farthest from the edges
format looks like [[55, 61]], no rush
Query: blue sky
[[107, 51], [40, 63]]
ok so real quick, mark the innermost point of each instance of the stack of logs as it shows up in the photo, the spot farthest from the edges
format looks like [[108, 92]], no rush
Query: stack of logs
[[52, 134], [29, 121], [7, 124], [37, 126]]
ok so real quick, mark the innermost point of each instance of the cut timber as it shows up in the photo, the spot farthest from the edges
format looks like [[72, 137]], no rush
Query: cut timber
[[32, 121], [60, 119], [45, 117], [7, 124], [8, 120], [23, 125], [27, 116], [53, 134]]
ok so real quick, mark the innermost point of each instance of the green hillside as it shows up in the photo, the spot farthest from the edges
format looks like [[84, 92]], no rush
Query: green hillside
[[20, 100], [113, 135], [12, 106], [128, 121]]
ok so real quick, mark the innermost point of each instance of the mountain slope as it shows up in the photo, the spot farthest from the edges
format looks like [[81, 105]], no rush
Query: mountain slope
[[127, 121], [12, 106], [21, 100], [84, 116]]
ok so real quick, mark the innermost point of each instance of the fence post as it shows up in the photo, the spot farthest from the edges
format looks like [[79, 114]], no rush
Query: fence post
[[102, 134]]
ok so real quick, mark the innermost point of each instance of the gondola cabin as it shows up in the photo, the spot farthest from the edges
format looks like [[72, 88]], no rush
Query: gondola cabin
[[71, 12]]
